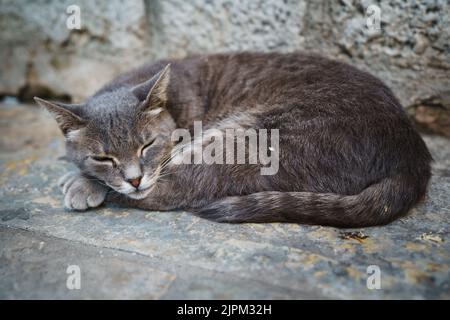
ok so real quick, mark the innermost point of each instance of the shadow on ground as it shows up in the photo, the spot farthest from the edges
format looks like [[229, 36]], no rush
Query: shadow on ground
[[128, 253]]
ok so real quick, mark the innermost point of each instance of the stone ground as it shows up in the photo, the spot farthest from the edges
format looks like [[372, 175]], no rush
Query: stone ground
[[168, 255]]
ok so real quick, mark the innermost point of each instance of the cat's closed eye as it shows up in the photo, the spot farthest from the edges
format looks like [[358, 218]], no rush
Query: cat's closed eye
[[103, 160], [146, 147]]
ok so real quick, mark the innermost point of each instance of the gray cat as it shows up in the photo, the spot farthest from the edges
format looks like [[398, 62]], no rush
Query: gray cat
[[348, 154]]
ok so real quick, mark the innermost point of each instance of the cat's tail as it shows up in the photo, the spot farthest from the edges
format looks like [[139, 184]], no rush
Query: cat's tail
[[378, 204]]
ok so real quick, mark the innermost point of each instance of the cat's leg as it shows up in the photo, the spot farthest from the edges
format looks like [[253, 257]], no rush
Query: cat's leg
[[81, 192]]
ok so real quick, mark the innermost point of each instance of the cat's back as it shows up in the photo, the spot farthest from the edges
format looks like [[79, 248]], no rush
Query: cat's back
[[323, 85]]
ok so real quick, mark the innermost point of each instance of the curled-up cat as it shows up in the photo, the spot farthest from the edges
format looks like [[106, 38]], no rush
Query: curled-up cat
[[347, 155]]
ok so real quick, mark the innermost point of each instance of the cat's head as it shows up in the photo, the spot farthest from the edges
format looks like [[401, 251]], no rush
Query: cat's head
[[121, 137]]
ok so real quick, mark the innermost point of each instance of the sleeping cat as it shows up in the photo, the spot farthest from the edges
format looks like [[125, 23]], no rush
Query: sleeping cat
[[348, 156]]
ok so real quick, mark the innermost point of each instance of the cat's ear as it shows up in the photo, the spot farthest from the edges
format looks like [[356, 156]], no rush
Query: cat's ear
[[64, 114], [154, 91]]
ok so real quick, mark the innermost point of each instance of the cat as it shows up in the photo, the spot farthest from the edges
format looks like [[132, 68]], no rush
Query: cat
[[348, 154]]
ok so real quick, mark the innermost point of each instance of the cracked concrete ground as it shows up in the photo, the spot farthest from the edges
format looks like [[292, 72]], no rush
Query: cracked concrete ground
[[129, 253]]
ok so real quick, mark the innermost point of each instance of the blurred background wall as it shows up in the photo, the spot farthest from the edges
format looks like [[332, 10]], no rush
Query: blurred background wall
[[39, 55]]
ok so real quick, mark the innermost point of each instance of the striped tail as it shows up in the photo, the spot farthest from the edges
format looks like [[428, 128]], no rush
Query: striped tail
[[378, 204]]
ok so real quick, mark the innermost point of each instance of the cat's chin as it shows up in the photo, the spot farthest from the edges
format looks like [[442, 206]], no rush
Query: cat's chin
[[138, 195]]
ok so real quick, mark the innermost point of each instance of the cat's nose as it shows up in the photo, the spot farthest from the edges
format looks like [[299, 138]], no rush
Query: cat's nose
[[135, 182]]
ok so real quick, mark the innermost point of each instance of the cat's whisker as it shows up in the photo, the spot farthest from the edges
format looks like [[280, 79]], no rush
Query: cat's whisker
[[168, 174], [172, 155]]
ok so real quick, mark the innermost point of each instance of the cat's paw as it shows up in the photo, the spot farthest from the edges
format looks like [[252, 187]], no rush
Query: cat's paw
[[80, 193]]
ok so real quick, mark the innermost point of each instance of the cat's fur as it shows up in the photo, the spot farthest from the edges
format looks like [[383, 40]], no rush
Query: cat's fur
[[348, 155]]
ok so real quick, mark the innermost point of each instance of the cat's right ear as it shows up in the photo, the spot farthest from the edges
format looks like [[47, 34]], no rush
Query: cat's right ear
[[154, 92], [64, 114]]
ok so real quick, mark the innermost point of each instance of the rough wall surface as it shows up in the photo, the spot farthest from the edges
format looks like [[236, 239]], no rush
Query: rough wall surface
[[38, 53]]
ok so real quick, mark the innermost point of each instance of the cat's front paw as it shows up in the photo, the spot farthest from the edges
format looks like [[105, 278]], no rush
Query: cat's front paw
[[81, 193]]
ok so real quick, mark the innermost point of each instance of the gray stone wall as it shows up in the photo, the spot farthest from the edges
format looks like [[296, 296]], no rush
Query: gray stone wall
[[38, 53]]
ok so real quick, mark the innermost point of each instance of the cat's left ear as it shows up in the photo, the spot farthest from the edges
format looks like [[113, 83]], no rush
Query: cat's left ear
[[67, 116], [156, 97]]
